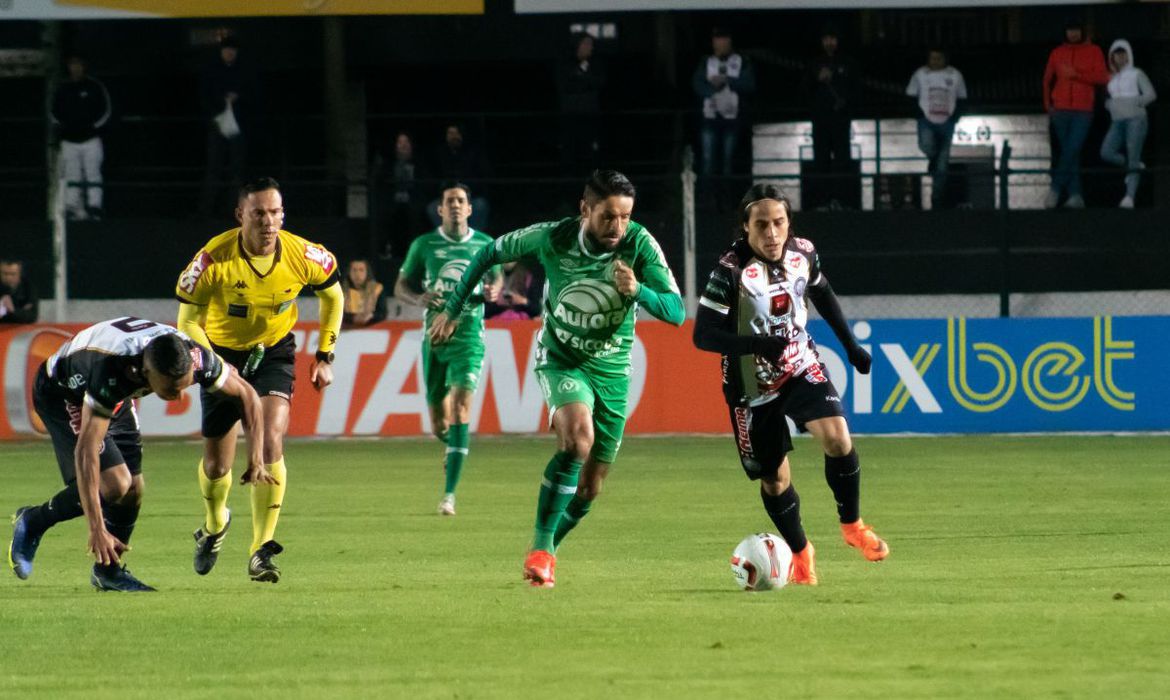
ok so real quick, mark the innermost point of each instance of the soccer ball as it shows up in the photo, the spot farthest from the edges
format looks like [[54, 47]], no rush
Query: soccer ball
[[761, 562]]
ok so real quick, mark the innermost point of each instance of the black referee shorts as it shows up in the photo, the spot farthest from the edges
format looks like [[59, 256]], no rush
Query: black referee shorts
[[274, 377], [62, 419], [761, 433]]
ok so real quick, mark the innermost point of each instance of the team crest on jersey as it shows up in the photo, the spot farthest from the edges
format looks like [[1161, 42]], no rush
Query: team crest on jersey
[[190, 276], [803, 243], [320, 256], [794, 260]]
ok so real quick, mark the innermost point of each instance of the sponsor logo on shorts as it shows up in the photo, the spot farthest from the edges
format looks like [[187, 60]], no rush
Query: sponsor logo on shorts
[[743, 434], [76, 381]]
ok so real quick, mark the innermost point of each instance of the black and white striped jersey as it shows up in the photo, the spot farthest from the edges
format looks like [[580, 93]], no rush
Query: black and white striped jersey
[[102, 365], [761, 298]]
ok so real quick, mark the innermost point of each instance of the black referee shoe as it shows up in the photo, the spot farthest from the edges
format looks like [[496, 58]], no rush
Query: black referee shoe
[[207, 547], [261, 566]]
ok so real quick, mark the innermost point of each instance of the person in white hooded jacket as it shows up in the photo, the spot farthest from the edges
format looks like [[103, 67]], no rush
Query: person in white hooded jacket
[[1130, 91]]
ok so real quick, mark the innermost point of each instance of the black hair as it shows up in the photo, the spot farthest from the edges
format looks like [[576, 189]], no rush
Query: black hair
[[229, 42], [10, 261], [759, 191], [718, 32], [454, 185], [607, 183], [259, 184], [168, 355]]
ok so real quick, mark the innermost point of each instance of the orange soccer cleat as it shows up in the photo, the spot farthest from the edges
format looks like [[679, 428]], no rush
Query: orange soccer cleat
[[540, 568], [804, 568], [863, 537]]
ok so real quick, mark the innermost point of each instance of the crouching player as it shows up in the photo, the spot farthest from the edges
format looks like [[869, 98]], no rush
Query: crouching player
[[85, 395]]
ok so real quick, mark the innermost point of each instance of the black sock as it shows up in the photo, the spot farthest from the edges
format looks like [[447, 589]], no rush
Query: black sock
[[120, 519], [784, 510], [66, 505], [844, 477]]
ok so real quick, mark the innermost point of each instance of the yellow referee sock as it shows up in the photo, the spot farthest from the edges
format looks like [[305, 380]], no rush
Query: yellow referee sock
[[266, 501], [215, 496]]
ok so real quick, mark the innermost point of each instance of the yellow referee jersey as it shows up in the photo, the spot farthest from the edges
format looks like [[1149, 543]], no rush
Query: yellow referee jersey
[[246, 306]]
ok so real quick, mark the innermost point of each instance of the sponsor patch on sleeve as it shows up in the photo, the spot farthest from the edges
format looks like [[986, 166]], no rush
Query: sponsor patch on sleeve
[[322, 257], [190, 277]]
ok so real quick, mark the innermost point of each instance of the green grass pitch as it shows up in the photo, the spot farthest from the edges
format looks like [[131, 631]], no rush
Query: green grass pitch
[[1021, 567]]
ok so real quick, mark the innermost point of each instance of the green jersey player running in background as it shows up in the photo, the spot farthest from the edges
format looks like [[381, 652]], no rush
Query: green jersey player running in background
[[433, 267], [601, 267]]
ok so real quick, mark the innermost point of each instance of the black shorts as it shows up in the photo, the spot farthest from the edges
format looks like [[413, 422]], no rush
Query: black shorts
[[62, 419], [274, 377], [761, 433]]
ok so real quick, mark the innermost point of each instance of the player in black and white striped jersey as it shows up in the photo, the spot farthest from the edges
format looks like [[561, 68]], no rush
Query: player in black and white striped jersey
[[85, 395]]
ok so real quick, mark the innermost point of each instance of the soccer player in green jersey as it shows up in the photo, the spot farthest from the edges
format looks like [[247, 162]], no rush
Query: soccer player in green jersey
[[601, 267], [433, 266]]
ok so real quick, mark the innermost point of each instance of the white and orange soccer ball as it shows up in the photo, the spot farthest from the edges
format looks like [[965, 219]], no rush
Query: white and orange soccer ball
[[761, 562]]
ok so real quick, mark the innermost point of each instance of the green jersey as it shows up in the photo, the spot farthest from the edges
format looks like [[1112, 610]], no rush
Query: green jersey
[[587, 322], [437, 263]]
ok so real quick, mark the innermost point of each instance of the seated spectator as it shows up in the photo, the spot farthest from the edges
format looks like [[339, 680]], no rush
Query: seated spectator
[[363, 297], [521, 295], [457, 161], [18, 299]]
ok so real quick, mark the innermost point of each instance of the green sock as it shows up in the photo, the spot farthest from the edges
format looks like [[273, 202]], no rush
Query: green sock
[[556, 490], [578, 508], [458, 438]]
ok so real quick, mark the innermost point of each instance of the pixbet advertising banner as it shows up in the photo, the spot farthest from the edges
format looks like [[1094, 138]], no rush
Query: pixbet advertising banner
[[929, 376]]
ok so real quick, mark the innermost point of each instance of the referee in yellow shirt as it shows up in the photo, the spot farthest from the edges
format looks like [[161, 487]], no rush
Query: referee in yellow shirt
[[238, 297]]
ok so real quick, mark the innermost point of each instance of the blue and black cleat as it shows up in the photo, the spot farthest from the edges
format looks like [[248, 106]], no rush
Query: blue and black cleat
[[116, 578], [23, 546]]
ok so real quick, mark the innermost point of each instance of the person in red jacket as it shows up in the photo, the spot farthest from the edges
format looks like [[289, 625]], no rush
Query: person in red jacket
[[1074, 70]]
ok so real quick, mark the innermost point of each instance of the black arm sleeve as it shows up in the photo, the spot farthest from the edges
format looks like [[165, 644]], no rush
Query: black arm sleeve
[[711, 334], [825, 301]]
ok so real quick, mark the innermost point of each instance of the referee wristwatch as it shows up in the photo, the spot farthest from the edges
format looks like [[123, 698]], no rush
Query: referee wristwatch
[[326, 357]]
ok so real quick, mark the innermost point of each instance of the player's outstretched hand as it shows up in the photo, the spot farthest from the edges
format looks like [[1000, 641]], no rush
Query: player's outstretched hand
[[441, 328], [257, 474], [624, 279], [321, 375], [860, 359], [106, 549]]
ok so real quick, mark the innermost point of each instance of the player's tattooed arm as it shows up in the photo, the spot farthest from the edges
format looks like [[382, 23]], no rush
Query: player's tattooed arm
[[412, 293], [105, 548], [825, 300]]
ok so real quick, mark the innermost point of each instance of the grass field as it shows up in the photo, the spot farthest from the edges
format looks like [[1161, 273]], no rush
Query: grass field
[[1020, 567]]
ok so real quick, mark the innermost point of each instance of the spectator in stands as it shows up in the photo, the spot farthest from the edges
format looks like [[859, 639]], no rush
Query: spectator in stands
[[522, 292], [722, 80], [1129, 93], [1074, 70], [81, 107], [831, 85], [939, 93], [580, 80], [458, 161], [18, 298], [364, 303], [229, 94], [398, 198]]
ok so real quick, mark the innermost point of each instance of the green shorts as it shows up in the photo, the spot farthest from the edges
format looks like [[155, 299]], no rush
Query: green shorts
[[452, 365], [606, 398]]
